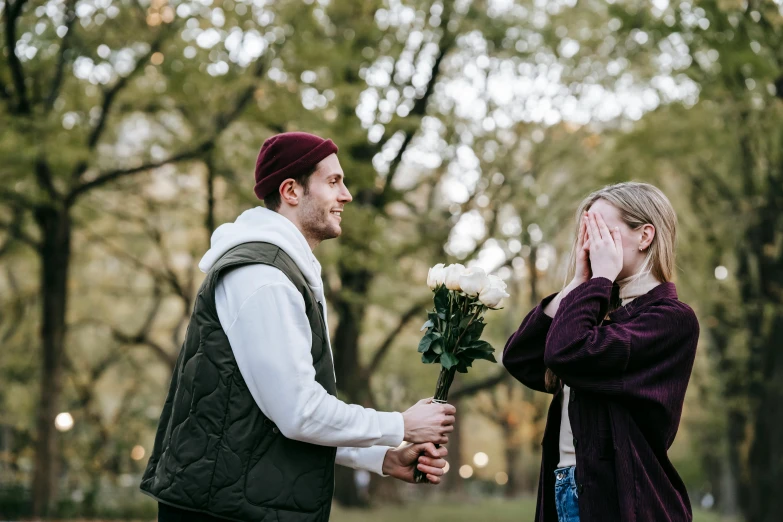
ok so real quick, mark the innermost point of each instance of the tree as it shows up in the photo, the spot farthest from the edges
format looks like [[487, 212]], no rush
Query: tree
[[71, 87], [729, 152]]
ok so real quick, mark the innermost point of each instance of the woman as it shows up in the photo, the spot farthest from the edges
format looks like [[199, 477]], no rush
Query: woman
[[616, 348]]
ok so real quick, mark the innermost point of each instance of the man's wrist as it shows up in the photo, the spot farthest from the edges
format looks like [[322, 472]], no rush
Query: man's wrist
[[388, 462]]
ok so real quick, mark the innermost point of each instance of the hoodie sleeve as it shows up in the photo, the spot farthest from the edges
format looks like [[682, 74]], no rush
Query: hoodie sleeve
[[370, 459], [264, 317]]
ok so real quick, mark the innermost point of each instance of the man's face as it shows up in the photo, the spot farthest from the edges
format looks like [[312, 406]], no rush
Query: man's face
[[320, 210]]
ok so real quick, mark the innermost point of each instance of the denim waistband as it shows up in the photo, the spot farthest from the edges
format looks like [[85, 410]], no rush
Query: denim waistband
[[565, 475]]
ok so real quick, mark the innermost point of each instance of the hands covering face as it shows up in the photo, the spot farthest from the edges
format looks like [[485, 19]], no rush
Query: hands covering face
[[605, 247]]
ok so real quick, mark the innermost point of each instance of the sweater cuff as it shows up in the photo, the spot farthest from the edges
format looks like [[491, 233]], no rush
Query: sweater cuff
[[392, 428], [372, 459]]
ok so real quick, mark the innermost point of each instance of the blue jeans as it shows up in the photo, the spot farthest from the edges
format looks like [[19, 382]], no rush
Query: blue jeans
[[566, 497]]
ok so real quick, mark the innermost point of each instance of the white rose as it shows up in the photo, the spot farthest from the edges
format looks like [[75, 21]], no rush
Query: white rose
[[493, 293], [436, 276], [453, 273], [473, 281], [497, 282]]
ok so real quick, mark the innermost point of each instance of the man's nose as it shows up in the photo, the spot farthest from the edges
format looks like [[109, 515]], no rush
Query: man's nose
[[346, 196]]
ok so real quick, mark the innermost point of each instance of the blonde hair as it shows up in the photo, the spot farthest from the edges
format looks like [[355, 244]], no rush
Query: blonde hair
[[639, 204]]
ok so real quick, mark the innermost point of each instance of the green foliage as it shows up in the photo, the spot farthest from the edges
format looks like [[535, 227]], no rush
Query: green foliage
[[453, 331]]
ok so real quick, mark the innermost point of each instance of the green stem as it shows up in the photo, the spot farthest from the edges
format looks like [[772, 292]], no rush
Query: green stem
[[467, 327], [445, 379]]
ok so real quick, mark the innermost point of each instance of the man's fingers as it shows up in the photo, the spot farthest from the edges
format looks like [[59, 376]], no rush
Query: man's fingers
[[428, 400], [428, 448], [446, 429], [435, 463], [448, 420], [433, 479], [430, 470], [449, 409]]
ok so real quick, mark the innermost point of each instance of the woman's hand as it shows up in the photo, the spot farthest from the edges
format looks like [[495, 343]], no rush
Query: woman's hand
[[583, 272], [606, 247]]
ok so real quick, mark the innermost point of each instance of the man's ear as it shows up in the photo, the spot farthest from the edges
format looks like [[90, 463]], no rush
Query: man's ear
[[290, 192]]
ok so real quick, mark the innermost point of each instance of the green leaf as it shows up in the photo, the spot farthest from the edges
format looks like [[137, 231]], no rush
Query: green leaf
[[447, 360], [430, 357], [473, 353], [425, 342], [464, 322], [481, 345], [442, 300], [428, 324], [463, 366], [437, 346]]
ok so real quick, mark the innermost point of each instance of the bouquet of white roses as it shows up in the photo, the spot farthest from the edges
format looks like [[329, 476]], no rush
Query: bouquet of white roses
[[454, 327]]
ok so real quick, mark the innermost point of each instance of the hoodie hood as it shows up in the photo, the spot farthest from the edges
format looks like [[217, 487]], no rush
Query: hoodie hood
[[260, 225]]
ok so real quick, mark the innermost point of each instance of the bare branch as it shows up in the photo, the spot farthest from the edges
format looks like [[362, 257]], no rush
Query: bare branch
[[109, 95], [419, 110], [16, 317], [383, 349], [43, 175], [17, 233], [12, 13], [70, 18], [472, 389], [157, 349], [112, 175], [15, 199]]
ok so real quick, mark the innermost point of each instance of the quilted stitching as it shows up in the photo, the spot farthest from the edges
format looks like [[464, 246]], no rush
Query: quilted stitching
[[215, 450]]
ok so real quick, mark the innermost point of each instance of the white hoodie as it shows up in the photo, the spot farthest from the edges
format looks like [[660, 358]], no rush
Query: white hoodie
[[263, 315]]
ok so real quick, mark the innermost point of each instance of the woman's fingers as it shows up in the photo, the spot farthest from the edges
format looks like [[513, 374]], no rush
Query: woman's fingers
[[595, 233], [602, 228], [618, 239], [580, 239], [586, 246]]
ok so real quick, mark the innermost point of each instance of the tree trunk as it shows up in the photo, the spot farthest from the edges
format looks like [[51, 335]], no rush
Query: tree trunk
[[516, 473], [351, 380], [764, 502], [55, 255]]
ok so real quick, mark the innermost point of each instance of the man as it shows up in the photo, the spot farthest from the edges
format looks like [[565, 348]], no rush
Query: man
[[252, 427]]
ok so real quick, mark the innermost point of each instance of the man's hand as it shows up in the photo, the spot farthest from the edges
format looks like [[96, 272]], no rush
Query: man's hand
[[427, 421], [400, 462]]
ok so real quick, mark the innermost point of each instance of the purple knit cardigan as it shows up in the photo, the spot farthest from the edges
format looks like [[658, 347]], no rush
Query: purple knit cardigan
[[628, 376]]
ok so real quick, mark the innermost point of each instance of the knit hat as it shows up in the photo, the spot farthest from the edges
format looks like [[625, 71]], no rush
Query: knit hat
[[287, 155]]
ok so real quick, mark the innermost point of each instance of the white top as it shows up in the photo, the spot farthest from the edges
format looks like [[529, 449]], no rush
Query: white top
[[263, 315], [630, 289], [567, 450]]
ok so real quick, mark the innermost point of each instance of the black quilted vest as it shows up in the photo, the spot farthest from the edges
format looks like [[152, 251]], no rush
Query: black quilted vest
[[215, 452]]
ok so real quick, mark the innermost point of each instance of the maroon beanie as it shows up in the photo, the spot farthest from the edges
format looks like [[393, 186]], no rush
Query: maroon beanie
[[287, 155]]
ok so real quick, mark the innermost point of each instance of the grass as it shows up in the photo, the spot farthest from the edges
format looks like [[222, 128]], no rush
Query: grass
[[495, 510]]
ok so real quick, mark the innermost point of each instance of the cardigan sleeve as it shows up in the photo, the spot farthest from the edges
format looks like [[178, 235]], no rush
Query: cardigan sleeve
[[523, 355], [653, 350]]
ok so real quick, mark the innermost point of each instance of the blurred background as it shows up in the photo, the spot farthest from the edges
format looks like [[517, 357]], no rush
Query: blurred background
[[468, 130]]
